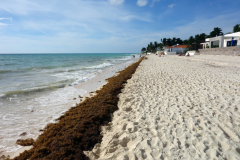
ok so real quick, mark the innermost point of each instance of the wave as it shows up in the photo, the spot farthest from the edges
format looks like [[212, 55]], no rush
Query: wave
[[73, 70], [27, 69], [60, 66], [55, 85], [8, 64], [34, 68], [5, 71], [39, 68], [101, 65], [65, 70], [86, 77], [124, 59]]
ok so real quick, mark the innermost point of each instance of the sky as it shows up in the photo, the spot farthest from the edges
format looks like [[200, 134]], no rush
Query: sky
[[107, 26]]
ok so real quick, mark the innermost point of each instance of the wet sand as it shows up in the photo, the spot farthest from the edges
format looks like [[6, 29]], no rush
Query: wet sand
[[176, 108]]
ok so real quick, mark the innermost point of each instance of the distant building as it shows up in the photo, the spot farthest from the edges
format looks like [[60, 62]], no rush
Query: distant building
[[222, 41], [173, 50]]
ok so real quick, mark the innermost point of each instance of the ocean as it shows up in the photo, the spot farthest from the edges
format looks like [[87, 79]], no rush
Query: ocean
[[35, 89]]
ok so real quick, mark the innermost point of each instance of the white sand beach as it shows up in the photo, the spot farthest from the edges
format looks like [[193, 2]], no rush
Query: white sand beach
[[176, 108]]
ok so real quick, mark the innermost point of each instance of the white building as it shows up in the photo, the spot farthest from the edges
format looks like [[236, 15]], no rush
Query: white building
[[222, 41]]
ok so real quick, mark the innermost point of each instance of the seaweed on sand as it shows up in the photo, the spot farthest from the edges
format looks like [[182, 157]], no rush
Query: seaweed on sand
[[25, 142], [79, 128]]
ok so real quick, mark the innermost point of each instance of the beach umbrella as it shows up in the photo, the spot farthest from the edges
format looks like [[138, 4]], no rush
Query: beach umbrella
[[232, 41]]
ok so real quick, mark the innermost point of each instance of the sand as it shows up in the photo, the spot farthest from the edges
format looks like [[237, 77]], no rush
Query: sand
[[176, 108]]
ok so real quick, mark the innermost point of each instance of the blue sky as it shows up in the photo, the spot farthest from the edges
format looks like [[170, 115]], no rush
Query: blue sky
[[107, 26]]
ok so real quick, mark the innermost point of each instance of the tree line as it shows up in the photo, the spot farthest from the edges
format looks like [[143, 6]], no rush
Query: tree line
[[191, 42]]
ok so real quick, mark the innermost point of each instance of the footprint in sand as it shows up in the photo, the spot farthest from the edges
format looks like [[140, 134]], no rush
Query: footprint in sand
[[127, 109], [124, 141], [160, 134], [130, 127], [179, 132], [222, 118], [192, 152], [156, 154], [174, 152]]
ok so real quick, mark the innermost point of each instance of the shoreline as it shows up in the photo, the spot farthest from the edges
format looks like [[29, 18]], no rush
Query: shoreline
[[93, 87], [89, 86], [97, 82]]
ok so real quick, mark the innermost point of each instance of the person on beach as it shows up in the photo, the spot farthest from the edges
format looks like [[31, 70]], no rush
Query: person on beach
[[133, 56]]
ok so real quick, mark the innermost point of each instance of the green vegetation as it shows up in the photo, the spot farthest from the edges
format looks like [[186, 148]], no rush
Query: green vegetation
[[215, 46], [191, 42], [143, 49], [236, 28]]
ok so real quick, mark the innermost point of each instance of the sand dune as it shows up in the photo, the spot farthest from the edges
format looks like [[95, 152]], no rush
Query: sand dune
[[176, 108]]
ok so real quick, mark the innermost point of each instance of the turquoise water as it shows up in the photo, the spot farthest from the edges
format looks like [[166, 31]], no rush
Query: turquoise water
[[35, 72], [35, 89]]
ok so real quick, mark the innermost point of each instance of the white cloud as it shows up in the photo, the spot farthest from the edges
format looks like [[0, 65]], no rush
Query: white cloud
[[40, 27], [3, 18], [153, 2], [171, 5], [116, 2], [3, 24], [80, 16], [142, 3], [194, 22], [22, 7], [5, 9], [130, 17]]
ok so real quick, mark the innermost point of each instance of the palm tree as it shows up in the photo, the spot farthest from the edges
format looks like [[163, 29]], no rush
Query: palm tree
[[185, 41], [202, 37], [149, 47], [216, 32], [164, 41], [169, 41], [236, 28], [155, 45], [151, 44], [143, 49], [174, 41], [179, 41], [190, 41], [160, 45]]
